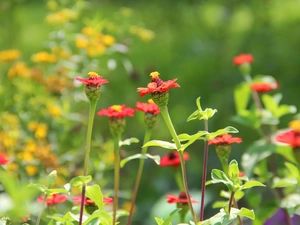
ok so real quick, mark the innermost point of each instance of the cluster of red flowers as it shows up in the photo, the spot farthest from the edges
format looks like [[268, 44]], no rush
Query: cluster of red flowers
[[3, 159]]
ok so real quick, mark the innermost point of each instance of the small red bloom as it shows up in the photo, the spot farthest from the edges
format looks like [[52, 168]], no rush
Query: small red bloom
[[3, 159], [225, 139], [87, 201], [117, 111], [243, 58], [157, 85], [94, 80], [173, 159], [147, 107], [180, 199], [263, 87], [53, 199], [290, 137], [241, 174]]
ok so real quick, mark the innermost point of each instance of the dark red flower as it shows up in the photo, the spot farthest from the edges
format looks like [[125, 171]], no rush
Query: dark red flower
[[150, 107], [117, 111], [290, 137], [3, 159], [94, 80], [157, 85], [225, 139], [243, 58], [180, 199], [263, 87], [87, 201], [173, 159], [53, 199]]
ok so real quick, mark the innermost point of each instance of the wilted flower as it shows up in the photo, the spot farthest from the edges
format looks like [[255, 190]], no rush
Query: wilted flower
[[54, 199], [173, 159]]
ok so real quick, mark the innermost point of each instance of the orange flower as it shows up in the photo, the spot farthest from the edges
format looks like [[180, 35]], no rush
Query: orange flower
[[243, 58], [147, 107]]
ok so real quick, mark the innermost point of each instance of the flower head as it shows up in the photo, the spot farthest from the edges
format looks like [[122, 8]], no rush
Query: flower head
[[158, 89], [9, 55], [291, 137], [263, 87], [87, 201], [243, 58], [53, 199], [149, 107], [92, 85], [3, 159], [180, 199], [225, 139], [173, 159], [117, 111]]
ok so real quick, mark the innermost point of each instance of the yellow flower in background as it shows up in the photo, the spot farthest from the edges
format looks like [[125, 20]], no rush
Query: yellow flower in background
[[54, 111], [10, 120], [295, 125], [27, 156], [81, 42], [12, 166], [142, 33], [19, 69], [52, 5], [32, 125], [31, 146], [60, 52], [31, 170], [9, 55], [61, 17], [108, 40], [95, 50], [44, 57], [127, 206], [89, 31], [9, 138], [41, 131]]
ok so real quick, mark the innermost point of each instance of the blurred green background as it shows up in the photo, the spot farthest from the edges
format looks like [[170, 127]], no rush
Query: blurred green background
[[195, 41]]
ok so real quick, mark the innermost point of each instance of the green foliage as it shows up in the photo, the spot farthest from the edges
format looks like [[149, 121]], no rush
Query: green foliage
[[129, 141], [155, 158], [80, 180], [168, 220], [201, 114]]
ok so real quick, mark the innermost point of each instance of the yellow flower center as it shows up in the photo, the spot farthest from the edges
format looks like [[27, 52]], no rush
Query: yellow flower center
[[117, 108], [295, 125], [150, 101], [154, 74], [93, 74]]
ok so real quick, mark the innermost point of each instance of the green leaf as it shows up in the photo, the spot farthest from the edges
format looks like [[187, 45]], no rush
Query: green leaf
[[159, 221], [163, 144], [155, 158], [94, 193], [51, 179], [246, 213], [198, 104], [168, 221], [252, 183], [39, 187], [241, 96], [226, 130], [287, 152], [219, 204], [192, 139], [55, 191], [284, 182], [293, 170], [233, 170], [128, 141], [200, 114], [291, 203], [80, 180], [219, 176]]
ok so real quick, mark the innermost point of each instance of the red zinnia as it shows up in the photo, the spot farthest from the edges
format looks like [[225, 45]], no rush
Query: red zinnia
[[263, 87], [173, 159], [290, 137], [87, 201], [225, 139], [117, 111], [53, 199], [243, 58], [94, 80], [157, 85], [150, 107], [180, 199], [3, 159]]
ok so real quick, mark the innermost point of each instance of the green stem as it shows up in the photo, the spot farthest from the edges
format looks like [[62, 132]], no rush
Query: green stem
[[92, 111], [41, 212], [178, 178], [116, 175], [230, 201], [204, 174], [165, 114], [139, 174]]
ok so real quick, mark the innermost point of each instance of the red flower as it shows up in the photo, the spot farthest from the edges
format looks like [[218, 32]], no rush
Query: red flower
[[53, 199], [180, 199], [3, 159], [243, 58], [87, 201], [119, 111], [173, 159], [94, 80], [157, 85], [150, 107], [241, 174], [225, 139], [263, 87], [291, 137]]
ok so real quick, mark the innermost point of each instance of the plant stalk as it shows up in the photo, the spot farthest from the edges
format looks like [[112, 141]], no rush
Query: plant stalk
[[139, 174], [41, 212], [168, 121], [116, 175], [230, 201]]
